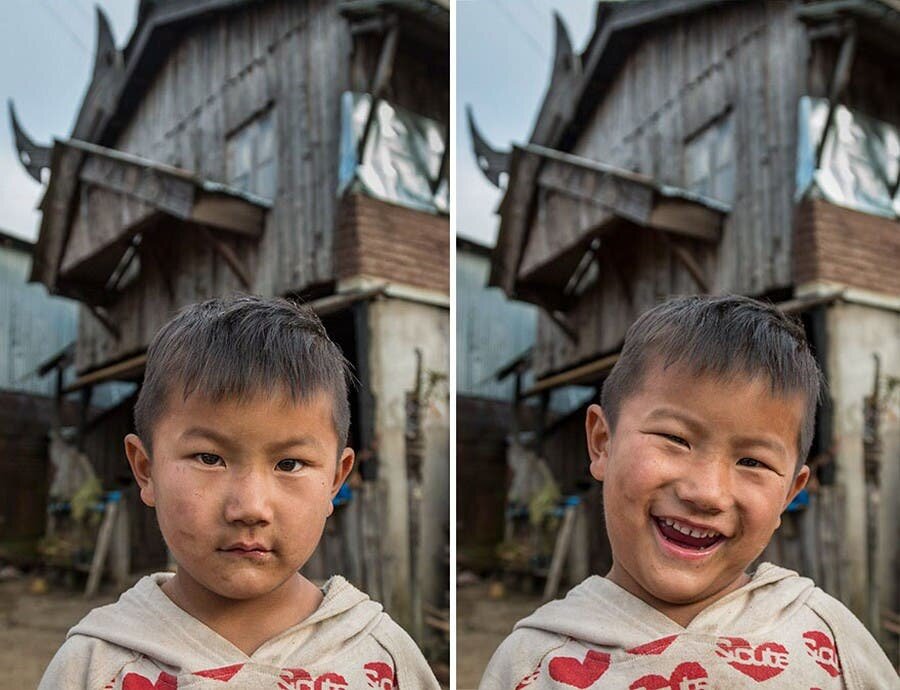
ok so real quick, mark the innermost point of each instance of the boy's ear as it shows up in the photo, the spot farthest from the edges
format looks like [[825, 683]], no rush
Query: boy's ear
[[598, 439], [139, 460], [344, 465], [796, 486]]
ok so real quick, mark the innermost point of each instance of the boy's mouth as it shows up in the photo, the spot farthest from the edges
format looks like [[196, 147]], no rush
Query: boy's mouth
[[687, 536], [253, 550]]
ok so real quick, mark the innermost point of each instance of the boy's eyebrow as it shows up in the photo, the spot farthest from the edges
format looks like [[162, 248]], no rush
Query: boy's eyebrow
[[762, 442], [302, 440], [204, 432], [759, 441], [673, 413], [223, 440]]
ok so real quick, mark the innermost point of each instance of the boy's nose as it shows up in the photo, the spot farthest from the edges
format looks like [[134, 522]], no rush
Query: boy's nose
[[707, 488], [249, 499]]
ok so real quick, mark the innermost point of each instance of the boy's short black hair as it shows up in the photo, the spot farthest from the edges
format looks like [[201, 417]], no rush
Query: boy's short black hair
[[721, 337], [238, 347]]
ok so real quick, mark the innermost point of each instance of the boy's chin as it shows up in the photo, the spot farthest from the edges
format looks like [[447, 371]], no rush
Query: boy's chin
[[242, 585], [683, 589]]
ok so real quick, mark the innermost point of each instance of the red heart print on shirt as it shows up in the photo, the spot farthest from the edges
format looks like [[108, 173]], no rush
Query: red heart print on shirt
[[579, 674], [379, 675], [655, 647], [225, 673], [687, 676], [295, 679], [764, 661], [135, 681], [821, 648], [331, 681]]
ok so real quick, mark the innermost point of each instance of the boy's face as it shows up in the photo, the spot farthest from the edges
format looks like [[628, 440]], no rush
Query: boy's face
[[699, 455], [241, 489]]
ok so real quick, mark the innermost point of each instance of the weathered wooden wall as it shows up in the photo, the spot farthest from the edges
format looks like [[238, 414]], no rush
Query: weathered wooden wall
[[746, 57], [104, 447], [565, 451], [483, 426], [289, 56], [25, 421], [296, 58]]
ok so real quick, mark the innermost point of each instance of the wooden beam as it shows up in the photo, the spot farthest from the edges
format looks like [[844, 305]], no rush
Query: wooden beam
[[130, 255], [229, 255], [560, 552], [582, 374], [380, 83], [101, 548], [801, 304], [105, 321], [229, 213], [444, 168], [122, 370], [687, 260], [687, 218], [172, 194], [559, 318], [839, 80]]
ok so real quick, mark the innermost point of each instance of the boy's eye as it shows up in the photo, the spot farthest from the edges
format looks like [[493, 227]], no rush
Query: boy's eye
[[676, 439], [210, 459], [750, 462], [290, 465]]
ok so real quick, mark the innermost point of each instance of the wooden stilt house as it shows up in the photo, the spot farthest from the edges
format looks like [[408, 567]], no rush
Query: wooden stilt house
[[727, 147], [278, 148]]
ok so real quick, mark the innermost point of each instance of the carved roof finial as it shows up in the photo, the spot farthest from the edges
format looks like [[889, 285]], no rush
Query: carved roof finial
[[105, 56], [562, 49], [492, 162], [33, 157]]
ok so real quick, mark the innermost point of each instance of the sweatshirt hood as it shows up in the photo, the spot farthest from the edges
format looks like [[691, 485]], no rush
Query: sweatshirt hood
[[146, 621], [601, 613]]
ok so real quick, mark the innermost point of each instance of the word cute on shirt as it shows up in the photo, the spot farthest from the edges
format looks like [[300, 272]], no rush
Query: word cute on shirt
[[729, 662]]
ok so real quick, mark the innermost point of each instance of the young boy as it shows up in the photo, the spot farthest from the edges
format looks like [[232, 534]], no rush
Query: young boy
[[706, 421], [241, 423]]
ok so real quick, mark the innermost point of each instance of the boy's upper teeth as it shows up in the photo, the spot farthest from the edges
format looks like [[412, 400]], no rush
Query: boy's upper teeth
[[692, 531]]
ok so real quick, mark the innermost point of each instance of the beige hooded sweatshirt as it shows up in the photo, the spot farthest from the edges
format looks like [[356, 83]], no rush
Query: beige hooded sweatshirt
[[777, 631], [145, 642]]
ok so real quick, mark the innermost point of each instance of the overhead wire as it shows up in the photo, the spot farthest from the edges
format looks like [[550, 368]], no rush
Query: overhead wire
[[534, 42], [65, 26]]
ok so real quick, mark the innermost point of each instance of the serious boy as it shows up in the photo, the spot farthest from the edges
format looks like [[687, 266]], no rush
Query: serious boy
[[705, 424], [241, 423]]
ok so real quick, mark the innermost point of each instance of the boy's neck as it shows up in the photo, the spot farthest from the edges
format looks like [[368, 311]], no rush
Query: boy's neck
[[682, 614], [286, 606]]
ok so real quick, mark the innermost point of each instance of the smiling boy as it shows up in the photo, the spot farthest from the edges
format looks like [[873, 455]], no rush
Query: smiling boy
[[241, 424], [700, 443]]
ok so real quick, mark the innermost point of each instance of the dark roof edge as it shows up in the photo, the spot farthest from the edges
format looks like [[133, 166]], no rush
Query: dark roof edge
[[7, 239]]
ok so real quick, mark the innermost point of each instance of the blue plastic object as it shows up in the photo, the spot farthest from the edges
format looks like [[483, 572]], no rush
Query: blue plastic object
[[801, 500], [343, 496]]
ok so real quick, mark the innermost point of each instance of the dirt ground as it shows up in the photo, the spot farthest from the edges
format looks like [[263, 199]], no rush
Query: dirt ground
[[481, 625], [33, 626]]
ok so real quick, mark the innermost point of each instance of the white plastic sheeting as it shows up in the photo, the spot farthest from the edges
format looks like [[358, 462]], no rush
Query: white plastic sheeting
[[860, 161], [402, 155]]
